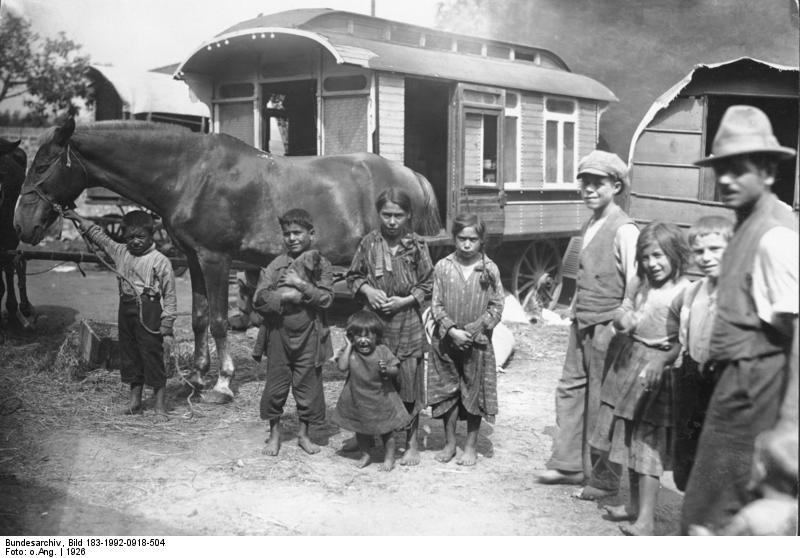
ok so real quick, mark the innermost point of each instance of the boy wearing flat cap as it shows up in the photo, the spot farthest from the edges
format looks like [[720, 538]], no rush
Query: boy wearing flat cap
[[607, 263], [754, 336]]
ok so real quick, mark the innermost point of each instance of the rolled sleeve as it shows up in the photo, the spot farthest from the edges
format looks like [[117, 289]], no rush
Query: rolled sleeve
[[775, 276], [356, 275]]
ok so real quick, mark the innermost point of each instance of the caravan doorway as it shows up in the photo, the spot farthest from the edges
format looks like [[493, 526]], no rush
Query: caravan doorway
[[289, 117], [425, 133]]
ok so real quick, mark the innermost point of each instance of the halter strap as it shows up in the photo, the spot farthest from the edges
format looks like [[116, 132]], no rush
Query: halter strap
[[37, 190]]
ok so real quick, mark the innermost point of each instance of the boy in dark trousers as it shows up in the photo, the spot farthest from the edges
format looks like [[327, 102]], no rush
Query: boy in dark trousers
[[607, 263], [754, 336], [292, 295], [147, 306]]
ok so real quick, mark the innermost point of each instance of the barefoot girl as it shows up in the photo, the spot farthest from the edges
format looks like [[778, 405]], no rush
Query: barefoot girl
[[391, 274], [369, 404], [466, 305], [635, 424]]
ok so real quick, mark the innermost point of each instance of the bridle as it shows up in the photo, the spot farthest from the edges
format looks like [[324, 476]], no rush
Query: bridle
[[36, 189]]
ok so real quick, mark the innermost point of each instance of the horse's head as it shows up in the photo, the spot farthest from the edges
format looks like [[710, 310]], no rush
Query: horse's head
[[56, 178]]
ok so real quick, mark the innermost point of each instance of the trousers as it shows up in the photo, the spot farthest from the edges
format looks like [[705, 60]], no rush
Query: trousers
[[578, 404]]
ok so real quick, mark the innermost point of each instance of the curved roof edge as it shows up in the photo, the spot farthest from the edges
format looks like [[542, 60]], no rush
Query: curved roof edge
[[666, 98], [219, 40], [398, 58]]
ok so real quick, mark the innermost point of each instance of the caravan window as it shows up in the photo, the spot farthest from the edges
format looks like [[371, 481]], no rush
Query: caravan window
[[560, 137]]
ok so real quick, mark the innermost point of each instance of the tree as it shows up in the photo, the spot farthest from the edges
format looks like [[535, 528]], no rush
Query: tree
[[52, 72]]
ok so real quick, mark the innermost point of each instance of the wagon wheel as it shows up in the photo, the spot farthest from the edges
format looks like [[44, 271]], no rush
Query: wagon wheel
[[112, 225], [536, 275]]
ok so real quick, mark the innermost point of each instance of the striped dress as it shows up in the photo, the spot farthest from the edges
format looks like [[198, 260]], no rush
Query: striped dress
[[406, 272], [634, 425], [465, 378]]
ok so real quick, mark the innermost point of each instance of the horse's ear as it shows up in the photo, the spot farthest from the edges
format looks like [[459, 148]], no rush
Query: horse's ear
[[64, 132]]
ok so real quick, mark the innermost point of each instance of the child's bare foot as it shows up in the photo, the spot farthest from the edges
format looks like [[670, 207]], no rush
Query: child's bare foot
[[468, 458], [388, 463], [273, 446], [620, 513], [637, 530], [365, 460], [410, 457], [447, 453], [308, 446]]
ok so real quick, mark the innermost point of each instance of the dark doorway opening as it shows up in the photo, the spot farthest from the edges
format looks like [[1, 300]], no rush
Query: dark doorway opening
[[425, 133], [783, 113], [289, 118]]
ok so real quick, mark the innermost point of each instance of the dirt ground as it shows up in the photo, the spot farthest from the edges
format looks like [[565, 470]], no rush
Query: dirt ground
[[68, 466]]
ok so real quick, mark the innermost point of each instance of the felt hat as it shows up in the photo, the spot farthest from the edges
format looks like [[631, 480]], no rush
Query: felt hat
[[743, 130], [603, 163]]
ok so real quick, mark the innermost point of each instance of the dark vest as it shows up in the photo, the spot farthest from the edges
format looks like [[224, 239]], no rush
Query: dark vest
[[600, 286], [738, 332]]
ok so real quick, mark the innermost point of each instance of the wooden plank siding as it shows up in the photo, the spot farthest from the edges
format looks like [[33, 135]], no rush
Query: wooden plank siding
[[532, 141], [645, 209], [663, 156], [587, 129], [391, 116], [545, 219], [486, 204]]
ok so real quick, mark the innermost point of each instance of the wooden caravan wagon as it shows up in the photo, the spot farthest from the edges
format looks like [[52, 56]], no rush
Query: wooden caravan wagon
[[680, 127], [152, 96], [497, 128]]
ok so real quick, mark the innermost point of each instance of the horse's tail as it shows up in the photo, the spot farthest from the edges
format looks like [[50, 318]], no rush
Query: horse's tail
[[428, 223]]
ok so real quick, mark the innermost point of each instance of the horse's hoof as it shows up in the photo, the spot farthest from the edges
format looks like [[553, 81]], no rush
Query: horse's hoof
[[216, 397]]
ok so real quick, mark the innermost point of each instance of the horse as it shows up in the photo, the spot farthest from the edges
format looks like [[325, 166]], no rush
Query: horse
[[219, 199], [13, 162]]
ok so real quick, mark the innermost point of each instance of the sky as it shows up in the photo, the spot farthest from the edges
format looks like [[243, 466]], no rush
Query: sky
[[145, 34]]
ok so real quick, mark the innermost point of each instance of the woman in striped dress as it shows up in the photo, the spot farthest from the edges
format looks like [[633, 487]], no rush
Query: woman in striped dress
[[466, 305], [391, 274]]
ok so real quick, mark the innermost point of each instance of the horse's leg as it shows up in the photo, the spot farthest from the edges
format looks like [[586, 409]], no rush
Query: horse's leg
[[2, 294], [11, 295], [202, 359], [25, 306], [215, 271]]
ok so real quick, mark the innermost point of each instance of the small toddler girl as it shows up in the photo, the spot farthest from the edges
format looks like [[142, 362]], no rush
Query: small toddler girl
[[369, 403]]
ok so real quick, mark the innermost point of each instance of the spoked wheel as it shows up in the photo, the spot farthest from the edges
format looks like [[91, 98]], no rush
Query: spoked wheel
[[112, 225], [536, 275]]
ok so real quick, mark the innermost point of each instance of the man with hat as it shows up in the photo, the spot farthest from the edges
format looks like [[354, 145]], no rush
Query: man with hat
[[607, 263], [754, 337]]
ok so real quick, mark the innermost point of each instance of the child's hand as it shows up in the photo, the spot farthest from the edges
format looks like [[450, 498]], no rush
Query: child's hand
[[650, 376], [376, 298], [291, 295], [461, 339], [292, 279], [626, 323], [75, 218], [394, 304]]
